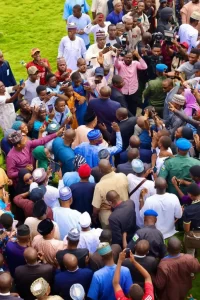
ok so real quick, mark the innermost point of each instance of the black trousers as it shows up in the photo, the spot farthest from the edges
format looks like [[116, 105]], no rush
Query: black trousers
[[132, 102]]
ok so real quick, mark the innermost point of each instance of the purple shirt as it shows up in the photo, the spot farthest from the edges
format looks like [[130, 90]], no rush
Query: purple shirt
[[14, 256], [186, 199], [17, 160]]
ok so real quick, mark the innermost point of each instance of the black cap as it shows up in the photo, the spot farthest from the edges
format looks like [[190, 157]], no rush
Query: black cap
[[89, 116], [193, 189], [39, 209], [23, 230], [37, 193], [195, 171], [45, 227]]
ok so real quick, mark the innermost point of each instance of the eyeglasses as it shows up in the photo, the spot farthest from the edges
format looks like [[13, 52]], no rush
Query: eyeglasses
[[27, 180]]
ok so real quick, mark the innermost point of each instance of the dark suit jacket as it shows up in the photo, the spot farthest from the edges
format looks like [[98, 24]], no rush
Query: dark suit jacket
[[25, 275], [123, 219], [117, 96], [105, 111], [125, 168]]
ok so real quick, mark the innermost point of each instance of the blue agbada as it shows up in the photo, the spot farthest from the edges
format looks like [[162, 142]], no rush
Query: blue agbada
[[82, 108]]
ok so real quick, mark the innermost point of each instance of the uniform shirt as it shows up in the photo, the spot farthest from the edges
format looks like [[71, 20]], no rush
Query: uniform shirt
[[96, 28], [71, 51], [69, 4], [101, 287], [133, 181], [81, 23], [115, 18], [7, 110], [60, 117], [191, 214], [154, 92], [29, 91], [168, 209], [188, 34], [129, 74], [178, 166], [100, 6]]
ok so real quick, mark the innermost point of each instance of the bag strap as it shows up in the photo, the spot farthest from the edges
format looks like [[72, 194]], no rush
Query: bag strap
[[137, 187]]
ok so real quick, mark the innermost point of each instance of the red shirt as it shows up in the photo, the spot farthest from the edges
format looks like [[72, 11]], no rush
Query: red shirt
[[58, 74], [42, 71], [148, 293]]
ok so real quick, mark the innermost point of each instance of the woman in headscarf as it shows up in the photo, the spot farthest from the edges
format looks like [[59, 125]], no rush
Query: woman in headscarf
[[19, 125], [191, 103], [42, 155], [25, 178]]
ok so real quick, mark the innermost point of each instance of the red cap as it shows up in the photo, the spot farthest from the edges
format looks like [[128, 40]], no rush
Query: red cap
[[84, 171], [185, 45]]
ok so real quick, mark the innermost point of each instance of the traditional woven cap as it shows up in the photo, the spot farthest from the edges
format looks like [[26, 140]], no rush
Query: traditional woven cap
[[94, 134], [39, 175], [137, 166], [23, 230], [15, 137], [195, 15], [178, 99], [71, 26], [104, 248], [85, 220], [34, 50], [65, 193], [78, 161], [74, 235], [39, 287], [45, 227], [53, 127], [100, 34], [84, 171], [32, 70], [103, 154], [77, 292], [127, 18], [150, 212], [115, 2], [183, 144], [161, 67]]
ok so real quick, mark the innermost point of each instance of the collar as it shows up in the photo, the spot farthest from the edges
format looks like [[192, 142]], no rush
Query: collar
[[172, 256], [196, 201], [5, 294], [118, 204], [31, 265], [124, 120], [108, 175], [139, 256], [73, 271]]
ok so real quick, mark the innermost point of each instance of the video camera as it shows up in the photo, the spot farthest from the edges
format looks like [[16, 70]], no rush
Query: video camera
[[170, 35], [157, 37], [123, 44]]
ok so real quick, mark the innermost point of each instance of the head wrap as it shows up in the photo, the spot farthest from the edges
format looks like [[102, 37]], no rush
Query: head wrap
[[39, 175], [104, 248], [94, 134], [183, 144], [40, 155], [78, 161], [77, 292], [39, 287], [85, 220], [178, 99], [22, 187], [191, 103], [16, 125], [65, 193], [45, 227], [84, 171]]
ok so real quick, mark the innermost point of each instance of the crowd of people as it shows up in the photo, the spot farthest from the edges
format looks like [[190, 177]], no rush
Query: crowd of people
[[99, 160]]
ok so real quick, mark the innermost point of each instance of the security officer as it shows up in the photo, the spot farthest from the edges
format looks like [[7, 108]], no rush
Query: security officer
[[150, 233], [178, 166]]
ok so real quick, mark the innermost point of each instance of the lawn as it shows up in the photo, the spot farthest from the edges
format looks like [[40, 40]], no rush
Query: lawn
[[27, 24]]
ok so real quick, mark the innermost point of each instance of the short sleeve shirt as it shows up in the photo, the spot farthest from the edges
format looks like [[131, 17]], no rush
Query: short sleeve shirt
[[191, 215], [148, 293]]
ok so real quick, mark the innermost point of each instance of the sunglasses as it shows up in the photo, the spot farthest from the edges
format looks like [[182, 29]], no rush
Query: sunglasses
[[27, 180]]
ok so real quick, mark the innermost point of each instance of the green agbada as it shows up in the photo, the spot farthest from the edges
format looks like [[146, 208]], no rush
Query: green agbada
[[40, 155]]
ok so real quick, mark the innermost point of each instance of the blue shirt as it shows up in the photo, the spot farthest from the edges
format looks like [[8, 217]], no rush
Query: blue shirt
[[101, 287], [115, 18], [60, 118], [81, 23], [145, 140], [6, 75], [64, 154], [90, 152], [70, 178], [65, 279], [69, 4]]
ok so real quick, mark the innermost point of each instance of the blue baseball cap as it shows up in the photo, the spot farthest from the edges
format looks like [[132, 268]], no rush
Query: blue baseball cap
[[65, 193], [161, 67], [137, 166], [99, 71], [183, 144], [150, 212]]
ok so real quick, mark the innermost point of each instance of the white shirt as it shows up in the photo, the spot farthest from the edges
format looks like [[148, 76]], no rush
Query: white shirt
[[100, 6], [95, 28], [29, 91], [133, 181], [51, 196], [168, 209], [7, 110], [37, 102], [71, 51], [90, 239], [66, 218], [93, 52], [189, 34]]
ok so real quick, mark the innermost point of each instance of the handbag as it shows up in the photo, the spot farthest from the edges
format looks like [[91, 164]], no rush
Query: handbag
[[192, 240], [137, 187]]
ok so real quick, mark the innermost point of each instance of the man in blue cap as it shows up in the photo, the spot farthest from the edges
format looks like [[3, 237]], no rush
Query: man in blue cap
[[90, 150], [154, 93], [97, 82], [178, 166]]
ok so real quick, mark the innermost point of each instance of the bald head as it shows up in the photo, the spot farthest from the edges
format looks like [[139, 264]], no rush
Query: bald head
[[30, 255], [134, 141], [69, 136], [5, 282], [105, 92], [142, 247], [174, 246], [141, 122], [122, 113], [80, 61], [105, 166], [160, 185], [168, 82], [70, 262], [113, 197], [147, 37], [133, 153]]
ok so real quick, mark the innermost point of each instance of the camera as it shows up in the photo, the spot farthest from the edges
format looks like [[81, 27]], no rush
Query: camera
[[123, 53], [170, 35], [123, 41], [157, 37]]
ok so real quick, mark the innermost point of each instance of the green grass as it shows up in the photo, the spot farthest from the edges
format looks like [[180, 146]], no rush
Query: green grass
[[26, 24]]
